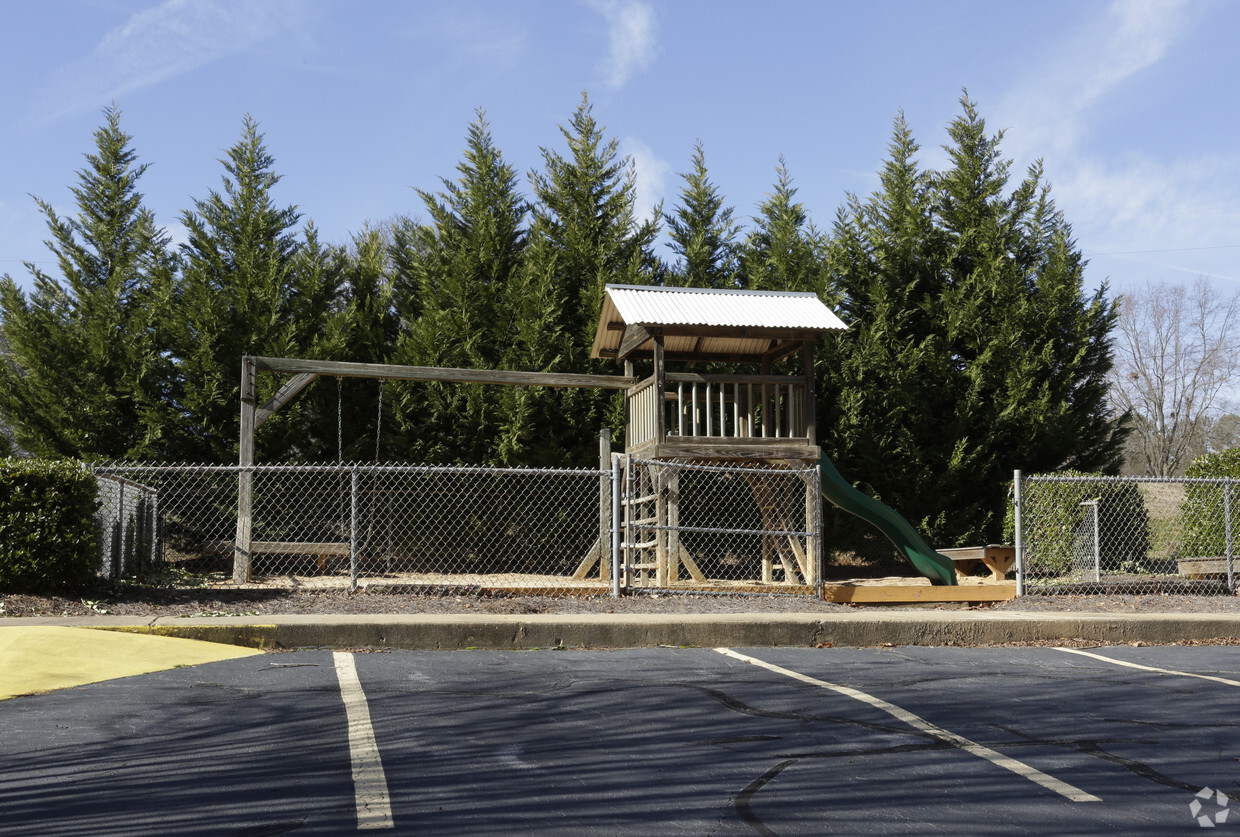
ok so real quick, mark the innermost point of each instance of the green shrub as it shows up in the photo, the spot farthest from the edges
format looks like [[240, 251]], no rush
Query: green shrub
[[1058, 531], [1205, 529], [48, 536]]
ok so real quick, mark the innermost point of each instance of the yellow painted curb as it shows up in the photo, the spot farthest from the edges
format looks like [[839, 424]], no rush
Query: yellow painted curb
[[43, 658], [259, 637]]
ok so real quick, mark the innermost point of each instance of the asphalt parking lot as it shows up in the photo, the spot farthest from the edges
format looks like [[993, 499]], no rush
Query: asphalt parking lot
[[907, 740]]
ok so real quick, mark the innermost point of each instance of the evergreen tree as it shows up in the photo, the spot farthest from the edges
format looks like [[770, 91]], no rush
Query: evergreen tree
[[784, 252], [703, 233], [456, 273], [251, 286], [84, 372], [585, 234], [373, 330], [972, 348]]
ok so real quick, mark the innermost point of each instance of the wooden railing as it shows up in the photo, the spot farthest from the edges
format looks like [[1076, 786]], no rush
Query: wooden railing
[[643, 415], [734, 407]]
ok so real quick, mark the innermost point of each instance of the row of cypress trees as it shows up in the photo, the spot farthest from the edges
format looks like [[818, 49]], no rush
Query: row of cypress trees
[[973, 347]]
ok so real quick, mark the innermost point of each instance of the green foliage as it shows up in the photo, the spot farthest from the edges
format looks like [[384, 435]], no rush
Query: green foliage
[[458, 272], [784, 252], [702, 233], [1058, 531], [584, 235], [584, 211], [1204, 505], [251, 286], [82, 373], [972, 348], [48, 536]]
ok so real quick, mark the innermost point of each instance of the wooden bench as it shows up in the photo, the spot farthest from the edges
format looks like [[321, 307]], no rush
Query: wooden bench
[[996, 557], [1207, 567], [320, 551]]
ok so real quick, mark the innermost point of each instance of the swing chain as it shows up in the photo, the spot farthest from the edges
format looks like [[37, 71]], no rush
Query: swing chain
[[379, 422], [339, 422]]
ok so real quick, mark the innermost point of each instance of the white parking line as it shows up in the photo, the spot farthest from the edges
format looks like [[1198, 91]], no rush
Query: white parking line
[[1126, 664], [374, 808], [1019, 768]]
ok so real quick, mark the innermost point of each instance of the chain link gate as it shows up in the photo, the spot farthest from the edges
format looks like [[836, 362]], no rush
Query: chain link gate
[[1125, 535], [721, 528]]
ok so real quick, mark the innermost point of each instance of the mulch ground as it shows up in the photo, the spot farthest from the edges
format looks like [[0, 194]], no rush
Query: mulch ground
[[150, 603]]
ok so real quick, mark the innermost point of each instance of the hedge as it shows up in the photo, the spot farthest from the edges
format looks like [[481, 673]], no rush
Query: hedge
[[48, 535], [1205, 532]]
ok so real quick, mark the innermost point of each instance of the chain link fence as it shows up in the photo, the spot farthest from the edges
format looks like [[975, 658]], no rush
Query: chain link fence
[[725, 528], [1126, 535], [448, 530], [397, 527]]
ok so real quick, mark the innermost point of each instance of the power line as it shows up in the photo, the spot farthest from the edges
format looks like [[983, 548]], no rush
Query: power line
[[1168, 250]]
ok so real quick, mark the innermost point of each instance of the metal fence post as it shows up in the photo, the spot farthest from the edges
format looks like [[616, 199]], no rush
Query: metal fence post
[[118, 544], [353, 483], [616, 487], [604, 502], [156, 541], [817, 527], [1231, 577], [1020, 544]]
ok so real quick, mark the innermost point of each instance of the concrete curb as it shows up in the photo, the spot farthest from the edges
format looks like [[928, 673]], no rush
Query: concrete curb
[[453, 632]]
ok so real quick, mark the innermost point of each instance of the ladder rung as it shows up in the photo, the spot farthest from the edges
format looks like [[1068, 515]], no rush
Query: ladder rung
[[646, 499], [642, 545]]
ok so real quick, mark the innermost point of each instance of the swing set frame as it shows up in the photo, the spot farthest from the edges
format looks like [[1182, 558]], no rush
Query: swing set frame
[[302, 373]]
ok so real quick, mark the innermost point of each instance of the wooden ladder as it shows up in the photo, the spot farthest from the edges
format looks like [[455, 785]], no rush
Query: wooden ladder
[[641, 541]]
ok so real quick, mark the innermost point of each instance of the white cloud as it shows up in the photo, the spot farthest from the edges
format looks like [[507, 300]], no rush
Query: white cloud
[[651, 175], [631, 32], [1164, 217], [1119, 199], [158, 44], [473, 32], [1049, 111]]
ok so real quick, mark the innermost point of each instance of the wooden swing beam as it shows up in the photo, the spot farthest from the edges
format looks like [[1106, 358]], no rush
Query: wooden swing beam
[[253, 415]]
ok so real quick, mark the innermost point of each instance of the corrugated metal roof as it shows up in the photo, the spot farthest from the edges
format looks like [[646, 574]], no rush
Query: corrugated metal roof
[[640, 305], [753, 311]]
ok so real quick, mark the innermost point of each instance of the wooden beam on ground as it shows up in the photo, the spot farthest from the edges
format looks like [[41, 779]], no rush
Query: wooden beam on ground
[[909, 593]]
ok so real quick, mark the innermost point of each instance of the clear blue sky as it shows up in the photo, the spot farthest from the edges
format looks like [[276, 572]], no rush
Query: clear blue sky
[[1132, 105]]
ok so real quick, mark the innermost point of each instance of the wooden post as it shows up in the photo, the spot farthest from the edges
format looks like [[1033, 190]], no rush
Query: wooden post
[[245, 474], [767, 424], [673, 523], [604, 505], [811, 396], [813, 525], [660, 387]]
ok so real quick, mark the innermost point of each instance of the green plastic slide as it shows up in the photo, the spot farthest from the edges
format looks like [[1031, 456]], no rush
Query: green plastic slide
[[899, 531]]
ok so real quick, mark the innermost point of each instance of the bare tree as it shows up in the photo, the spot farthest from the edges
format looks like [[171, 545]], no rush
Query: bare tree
[[1175, 358]]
